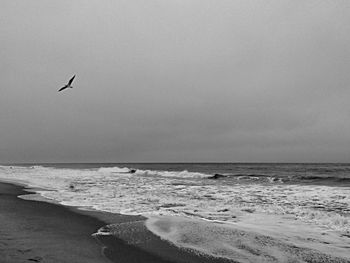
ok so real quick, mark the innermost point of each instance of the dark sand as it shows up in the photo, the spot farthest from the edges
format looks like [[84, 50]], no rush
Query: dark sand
[[33, 231]]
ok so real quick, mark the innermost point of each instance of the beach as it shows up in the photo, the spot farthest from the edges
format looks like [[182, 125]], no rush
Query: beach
[[34, 231], [174, 213]]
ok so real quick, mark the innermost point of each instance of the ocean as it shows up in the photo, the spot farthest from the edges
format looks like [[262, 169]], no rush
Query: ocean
[[286, 201]]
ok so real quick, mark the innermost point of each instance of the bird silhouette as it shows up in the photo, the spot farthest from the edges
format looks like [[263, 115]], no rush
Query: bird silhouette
[[69, 85]]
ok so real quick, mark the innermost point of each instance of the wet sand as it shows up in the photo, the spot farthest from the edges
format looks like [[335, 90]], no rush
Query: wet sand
[[34, 231]]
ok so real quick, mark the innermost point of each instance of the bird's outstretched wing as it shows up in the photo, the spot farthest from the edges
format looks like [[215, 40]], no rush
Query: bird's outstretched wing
[[62, 88], [71, 80]]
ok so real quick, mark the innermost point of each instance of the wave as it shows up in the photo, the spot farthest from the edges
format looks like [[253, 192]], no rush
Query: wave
[[124, 170], [324, 178], [239, 177], [260, 243], [178, 174], [281, 179], [154, 173], [114, 169], [249, 178]]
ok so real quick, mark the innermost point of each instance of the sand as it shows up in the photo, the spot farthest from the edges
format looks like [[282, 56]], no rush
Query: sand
[[34, 231]]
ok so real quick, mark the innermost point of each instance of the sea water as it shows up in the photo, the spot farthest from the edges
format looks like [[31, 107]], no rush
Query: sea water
[[302, 204]]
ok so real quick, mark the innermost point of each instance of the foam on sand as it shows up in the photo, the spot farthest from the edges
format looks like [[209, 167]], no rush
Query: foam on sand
[[244, 243]]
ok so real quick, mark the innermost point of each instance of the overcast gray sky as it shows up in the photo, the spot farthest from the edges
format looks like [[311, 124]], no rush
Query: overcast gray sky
[[175, 81]]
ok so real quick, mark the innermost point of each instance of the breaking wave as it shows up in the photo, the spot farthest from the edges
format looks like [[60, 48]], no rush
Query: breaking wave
[[175, 174], [113, 170], [284, 179]]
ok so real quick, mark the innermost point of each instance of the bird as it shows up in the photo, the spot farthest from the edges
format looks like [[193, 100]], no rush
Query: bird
[[69, 85]]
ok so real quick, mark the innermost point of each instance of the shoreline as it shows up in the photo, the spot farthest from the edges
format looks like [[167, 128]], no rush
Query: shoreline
[[38, 231], [33, 228]]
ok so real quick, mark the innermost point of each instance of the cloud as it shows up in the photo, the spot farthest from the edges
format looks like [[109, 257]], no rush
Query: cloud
[[175, 81]]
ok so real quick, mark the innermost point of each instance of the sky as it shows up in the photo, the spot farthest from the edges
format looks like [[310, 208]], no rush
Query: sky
[[175, 81]]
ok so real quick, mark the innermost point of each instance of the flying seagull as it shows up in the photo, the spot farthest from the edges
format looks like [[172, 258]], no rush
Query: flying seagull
[[68, 85]]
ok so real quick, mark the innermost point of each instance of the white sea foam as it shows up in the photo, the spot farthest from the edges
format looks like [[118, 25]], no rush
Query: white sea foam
[[175, 174], [113, 170], [252, 241], [184, 193]]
